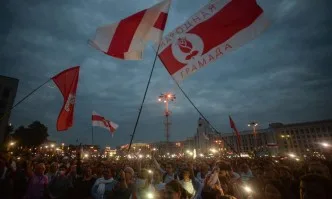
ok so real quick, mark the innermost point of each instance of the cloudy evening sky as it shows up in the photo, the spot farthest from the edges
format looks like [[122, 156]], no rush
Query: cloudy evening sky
[[283, 76]]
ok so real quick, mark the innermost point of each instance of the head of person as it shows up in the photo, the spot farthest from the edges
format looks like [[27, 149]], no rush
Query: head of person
[[107, 173], [87, 172], [54, 167], [40, 169], [244, 168], [169, 168], [186, 174], [270, 174], [204, 169], [319, 169], [314, 186], [174, 190], [285, 173], [273, 190], [129, 173], [62, 170]]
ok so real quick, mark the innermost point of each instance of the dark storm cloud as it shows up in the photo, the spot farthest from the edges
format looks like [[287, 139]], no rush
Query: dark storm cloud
[[284, 75]]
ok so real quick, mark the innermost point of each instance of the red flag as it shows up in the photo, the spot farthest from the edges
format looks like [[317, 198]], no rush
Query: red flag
[[219, 27], [98, 120], [67, 81], [232, 124], [126, 39]]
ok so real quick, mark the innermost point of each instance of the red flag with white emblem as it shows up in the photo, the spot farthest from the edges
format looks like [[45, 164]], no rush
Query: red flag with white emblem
[[218, 28], [98, 120], [67, 81], [126, 39]]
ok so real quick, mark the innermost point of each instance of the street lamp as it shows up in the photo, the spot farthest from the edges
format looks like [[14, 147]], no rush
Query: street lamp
[[166, 98], [253, 126]]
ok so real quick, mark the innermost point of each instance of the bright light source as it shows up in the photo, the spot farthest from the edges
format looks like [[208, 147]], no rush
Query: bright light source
[[292, 155], [46, 146], [297, 159], [149, 171], [248, 124], [140, 156], [165, 101], [247, 189], [52, 145], [12, 143], [159, 100], [86, 155], [149, 195], [169, 96], [213, 150], [324, 144]]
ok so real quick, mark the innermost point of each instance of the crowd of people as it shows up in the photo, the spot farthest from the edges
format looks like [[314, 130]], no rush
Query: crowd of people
[[177, 178]]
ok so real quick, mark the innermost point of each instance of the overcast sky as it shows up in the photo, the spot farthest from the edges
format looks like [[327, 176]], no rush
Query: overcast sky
[[283, 76]]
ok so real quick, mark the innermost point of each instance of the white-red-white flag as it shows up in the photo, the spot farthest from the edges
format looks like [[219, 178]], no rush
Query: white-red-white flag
[[126, 39], [98, 120], [219, 27]]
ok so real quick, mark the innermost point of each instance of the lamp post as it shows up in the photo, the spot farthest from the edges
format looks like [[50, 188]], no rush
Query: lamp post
[[166, 98], [253, 126]]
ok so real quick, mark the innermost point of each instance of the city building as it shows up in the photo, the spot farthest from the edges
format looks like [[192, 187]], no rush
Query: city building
[[263, 142], [303, 138], [8, 89]]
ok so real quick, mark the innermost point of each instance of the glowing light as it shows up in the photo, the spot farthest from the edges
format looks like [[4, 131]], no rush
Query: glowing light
[[213, 150], [140, 156], [149, 195], [292, 155], [247, 189], [52, 145], [86, 155], [159, 100], [12, 143], [150, 171], [324, 144]]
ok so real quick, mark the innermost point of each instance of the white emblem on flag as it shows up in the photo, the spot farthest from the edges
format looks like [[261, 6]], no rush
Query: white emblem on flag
[[70, 101], [187, 47]]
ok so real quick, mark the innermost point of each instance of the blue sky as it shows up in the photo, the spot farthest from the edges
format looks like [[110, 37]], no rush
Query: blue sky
[[282, 76]]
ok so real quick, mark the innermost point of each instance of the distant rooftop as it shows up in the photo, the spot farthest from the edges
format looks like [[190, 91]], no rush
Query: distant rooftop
[[281, 125]]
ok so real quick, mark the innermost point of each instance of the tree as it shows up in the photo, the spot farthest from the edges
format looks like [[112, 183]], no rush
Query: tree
[[33, 135]]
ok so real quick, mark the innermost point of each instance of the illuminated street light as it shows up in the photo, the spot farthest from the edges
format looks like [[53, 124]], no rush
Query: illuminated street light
[[166, 98], [247, 189], [292, 155], [324, 144], [11, 143], [52, 145], [253, 125]]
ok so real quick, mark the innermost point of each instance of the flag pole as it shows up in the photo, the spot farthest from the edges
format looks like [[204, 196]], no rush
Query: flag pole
[[92, 134], [146, 90], [24, 98], [144, 96], [199, 112]]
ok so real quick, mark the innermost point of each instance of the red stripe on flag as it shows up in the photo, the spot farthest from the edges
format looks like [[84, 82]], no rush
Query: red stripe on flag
[[161, 21], [126, 29], [97, 118], [232, 18]]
